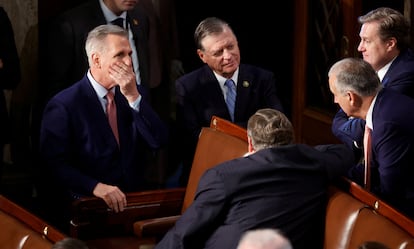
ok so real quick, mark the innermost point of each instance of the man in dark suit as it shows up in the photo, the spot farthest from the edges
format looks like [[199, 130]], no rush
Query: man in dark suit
[[65, 44], [63, 57], [76, 139], [278, 185], [9, 77], [385, 45], [203, 93], [390, 115]]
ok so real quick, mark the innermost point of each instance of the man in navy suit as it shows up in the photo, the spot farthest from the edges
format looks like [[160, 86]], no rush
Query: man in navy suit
[[63, 57], [390, 115], [202, 93], [65, 43], [76, 139], [278, 185], [385, 45]]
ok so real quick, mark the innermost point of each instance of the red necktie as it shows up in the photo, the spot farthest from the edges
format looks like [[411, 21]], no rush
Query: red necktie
[[367, 157], [111, 112]]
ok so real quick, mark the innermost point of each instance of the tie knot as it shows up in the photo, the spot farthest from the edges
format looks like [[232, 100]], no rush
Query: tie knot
[[110, 95], [119, 22], [229, 83]]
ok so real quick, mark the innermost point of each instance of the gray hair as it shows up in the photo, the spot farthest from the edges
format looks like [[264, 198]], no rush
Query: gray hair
[[269, 128], [210, 25], [266, 238], [95, 42], [357, 75], [391, 24]]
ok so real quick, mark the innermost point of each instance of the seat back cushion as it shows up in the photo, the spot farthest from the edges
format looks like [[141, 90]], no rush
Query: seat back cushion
[[213, 147]]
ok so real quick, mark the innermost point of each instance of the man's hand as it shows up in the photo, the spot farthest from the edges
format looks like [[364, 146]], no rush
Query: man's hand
[[112, 195], [124, 76]]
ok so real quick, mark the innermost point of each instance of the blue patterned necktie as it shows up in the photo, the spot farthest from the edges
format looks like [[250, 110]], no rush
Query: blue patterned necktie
[[230, 97]]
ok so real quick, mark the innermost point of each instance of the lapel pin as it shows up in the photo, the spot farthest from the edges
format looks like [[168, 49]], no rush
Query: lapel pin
[[246, 83], [135, 21]]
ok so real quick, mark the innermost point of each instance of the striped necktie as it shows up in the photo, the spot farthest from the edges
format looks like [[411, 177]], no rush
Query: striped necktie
[[230, 97]]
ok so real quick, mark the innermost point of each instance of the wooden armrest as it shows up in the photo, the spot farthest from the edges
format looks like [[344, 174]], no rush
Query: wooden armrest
[[30, 220], [228, 127], [156, 227], [92, 218]]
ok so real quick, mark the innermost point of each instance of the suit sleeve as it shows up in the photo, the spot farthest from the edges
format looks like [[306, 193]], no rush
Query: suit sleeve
[[392, 151], [348, 129], [150, 126], [338, 159], [271, 94], [197, 222], [55, 147]]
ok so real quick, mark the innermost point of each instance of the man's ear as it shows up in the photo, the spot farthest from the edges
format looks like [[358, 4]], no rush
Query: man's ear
[[391, 43], [250, 147], [201, 55], [354, 99], [96, 60]]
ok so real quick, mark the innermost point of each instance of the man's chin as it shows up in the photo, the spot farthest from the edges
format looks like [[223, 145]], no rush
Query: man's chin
[[130, 4]]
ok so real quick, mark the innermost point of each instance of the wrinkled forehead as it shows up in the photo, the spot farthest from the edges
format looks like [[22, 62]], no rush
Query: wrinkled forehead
[[217, 41]]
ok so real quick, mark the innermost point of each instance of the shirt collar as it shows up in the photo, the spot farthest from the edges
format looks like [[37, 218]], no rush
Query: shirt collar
[[99, 89], [222, 80], [368, 119], [381, 73]]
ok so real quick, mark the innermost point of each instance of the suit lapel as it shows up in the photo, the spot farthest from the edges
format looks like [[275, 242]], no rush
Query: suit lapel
[[244, 87], [212, 94], [93, 108]]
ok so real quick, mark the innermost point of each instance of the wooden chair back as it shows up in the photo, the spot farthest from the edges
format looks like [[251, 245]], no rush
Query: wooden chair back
[[228, 127], [214, 146], [380, 206], [17, 221]]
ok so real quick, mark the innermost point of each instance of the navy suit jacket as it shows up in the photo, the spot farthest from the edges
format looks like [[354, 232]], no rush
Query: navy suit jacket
[[79, 147], [199, 97], [66, 58], [284, 188], [392, 143], [399, 77]]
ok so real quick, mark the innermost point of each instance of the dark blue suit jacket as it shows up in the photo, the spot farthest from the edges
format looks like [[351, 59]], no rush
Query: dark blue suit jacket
[[283, 188], [199, 97], [392, 142], [399, 77], [79, 147]]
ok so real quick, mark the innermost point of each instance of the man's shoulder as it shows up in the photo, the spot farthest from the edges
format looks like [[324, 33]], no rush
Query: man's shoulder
[[405, 61], [195, 76], [254, 68]]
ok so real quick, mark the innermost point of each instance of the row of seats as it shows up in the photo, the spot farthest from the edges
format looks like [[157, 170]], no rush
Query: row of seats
[[353, 214]]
